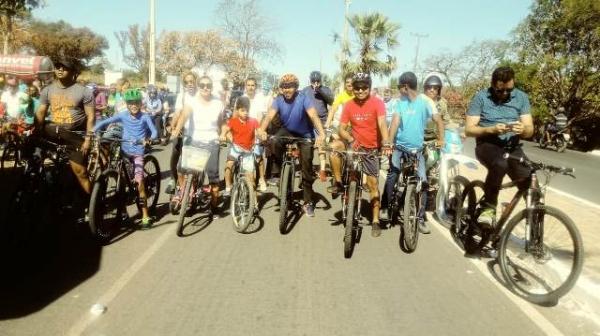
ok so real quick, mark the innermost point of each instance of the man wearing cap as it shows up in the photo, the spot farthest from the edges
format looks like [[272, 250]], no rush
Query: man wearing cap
[[298, 118], [73, 109], [322, 96], [408, 131]]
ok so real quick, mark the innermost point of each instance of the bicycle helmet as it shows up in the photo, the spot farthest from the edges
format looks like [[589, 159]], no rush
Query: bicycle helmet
[[132, 95], [288, 79], [315, 76], [361, 77], [433, 80]]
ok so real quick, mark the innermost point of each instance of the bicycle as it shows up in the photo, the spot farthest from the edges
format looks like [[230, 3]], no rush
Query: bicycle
[[244, 207], [192, 165], [13, 145], [289, 165], [116, 188], [537, 237], [406, 199]]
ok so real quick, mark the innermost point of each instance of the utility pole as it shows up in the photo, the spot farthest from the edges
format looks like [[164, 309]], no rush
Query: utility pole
[[419, 37], [344, 41], [152, 61]]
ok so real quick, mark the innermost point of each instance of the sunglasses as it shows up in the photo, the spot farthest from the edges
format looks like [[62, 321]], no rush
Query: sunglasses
[[360, 88], [205, 86], [429, 87], [287, 86], [503, 91]]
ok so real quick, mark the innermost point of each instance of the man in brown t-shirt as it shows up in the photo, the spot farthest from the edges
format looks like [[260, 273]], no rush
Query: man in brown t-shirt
[[72, 107]]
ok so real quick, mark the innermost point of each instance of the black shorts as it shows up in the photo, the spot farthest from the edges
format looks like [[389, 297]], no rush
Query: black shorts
[[370, 163], [62, 136]]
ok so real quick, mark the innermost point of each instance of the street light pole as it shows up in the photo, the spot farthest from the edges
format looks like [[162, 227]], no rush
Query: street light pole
[[419, 37], [344, 41], [152, 61]]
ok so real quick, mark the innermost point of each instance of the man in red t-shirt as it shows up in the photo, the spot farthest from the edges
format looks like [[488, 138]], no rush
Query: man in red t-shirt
[[240, 131], [366, 116]]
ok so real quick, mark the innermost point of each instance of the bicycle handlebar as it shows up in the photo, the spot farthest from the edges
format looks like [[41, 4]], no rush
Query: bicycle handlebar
[[541, 166]]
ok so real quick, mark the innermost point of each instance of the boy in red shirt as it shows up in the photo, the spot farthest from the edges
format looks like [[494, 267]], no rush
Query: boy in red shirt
[[240, 131], [365, 114]]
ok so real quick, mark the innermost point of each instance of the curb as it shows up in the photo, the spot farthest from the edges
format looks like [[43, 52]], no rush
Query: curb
[[595, 152]]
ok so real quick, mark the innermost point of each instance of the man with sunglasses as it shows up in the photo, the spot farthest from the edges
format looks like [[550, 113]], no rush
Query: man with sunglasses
[[72, 107], [365, 115], [299, 118], [413, 110], [498, 117]]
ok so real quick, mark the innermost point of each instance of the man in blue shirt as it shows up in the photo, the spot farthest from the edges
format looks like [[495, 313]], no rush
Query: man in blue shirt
[[498, 117], [298, 118], [154, 107], [408, 131]]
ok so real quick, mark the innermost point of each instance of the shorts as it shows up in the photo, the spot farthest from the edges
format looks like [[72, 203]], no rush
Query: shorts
[[370, 163], [138, 166], [62, 136], [247, 157]]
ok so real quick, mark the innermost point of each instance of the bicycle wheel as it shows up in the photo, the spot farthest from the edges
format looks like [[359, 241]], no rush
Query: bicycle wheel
[[410, 227], [242, 204], [285, 196], [447, 201], [184, 203], [349, 236], [466, 218], [151, 181], [543, 264], [561, 144], [106, 206], [11, 157]]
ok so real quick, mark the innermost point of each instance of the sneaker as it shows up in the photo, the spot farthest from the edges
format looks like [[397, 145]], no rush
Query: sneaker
[[146, 222], [487, 217], [424, 227], [322, 175], [227, 192], [262, 185], [336, 188], [170, 187], [384, 214], [375, 229], [309, 209]]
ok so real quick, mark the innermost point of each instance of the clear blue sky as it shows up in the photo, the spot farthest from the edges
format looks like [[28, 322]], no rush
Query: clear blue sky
[[305, 27]]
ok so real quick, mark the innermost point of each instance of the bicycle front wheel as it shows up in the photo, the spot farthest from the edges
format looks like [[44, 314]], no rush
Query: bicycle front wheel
[[543, 260], [184, 203], [151, 181], [106, 206], [349, 234], [285, 196], [242, 204], [447, 201], [410, 228]]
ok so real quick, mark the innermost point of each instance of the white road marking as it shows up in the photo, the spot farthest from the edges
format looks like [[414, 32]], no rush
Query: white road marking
[[535, 316], [87, 319], [578, 199]]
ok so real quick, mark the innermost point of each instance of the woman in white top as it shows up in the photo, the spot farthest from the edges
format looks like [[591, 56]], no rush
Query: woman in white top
[[200, 120]]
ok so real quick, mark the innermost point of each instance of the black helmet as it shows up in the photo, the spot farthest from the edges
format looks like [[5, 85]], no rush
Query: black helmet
[[70, 63], [408, 78], [315, 76], [433, 80], [361, 77]]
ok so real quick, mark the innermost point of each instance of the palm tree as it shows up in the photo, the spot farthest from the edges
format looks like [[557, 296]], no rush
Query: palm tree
[[374, 35]]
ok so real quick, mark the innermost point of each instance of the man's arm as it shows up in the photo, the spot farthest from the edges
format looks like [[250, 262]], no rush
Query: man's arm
[[472, 128], [331, 113], [267, 120], [383, 130], [40, 116], [524, 128], [343, 132], [439, 123], [181, 119], [394, 126]]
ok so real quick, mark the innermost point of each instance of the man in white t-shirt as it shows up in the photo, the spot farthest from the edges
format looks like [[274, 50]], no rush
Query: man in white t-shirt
[[12, 97], [258, 108]]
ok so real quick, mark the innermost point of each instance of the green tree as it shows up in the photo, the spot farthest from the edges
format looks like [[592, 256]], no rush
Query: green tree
[[558, 47], [12, 13], [135, 47], [60, 38], [375, 37]]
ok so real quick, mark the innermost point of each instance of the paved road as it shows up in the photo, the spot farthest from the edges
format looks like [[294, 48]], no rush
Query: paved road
[[218, 282], [586, 166]]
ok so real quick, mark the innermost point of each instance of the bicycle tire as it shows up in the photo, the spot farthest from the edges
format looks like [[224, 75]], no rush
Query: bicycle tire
[[284, 198], [242, 204], [560, 143], [450, 199], [465, 218], [349, 234], [151, 182], [105, 197], [515, 275], [184, 203], [410, 228]]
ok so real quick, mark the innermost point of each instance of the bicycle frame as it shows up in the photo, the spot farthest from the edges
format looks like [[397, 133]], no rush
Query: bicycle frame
[[351, 171]]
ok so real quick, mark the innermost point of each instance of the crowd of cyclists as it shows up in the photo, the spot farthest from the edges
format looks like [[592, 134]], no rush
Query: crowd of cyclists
[[258, 126]]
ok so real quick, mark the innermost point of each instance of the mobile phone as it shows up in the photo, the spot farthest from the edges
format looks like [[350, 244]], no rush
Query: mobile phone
[[511, 125]]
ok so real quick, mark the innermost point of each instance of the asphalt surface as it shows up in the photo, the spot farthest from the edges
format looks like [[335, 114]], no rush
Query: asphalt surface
[[215, 281]]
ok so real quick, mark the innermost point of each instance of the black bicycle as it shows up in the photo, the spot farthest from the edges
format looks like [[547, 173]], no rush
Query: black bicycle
[[540, 250], [405, 200], [289, 166], [115, 188]]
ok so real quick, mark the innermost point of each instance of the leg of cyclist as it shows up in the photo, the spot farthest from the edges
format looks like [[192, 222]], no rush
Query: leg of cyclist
[[336, 167], [212, 171], [423, 226], [308, 177], [370, 167], [138, 173], [490, 156], [390, 182], [175, 154]]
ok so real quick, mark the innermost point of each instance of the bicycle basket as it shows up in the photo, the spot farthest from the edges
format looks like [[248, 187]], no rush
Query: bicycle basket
[[194, 158]]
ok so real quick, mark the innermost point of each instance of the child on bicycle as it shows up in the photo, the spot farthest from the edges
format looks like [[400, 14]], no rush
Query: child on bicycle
[[240, 130], [136, 126]]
